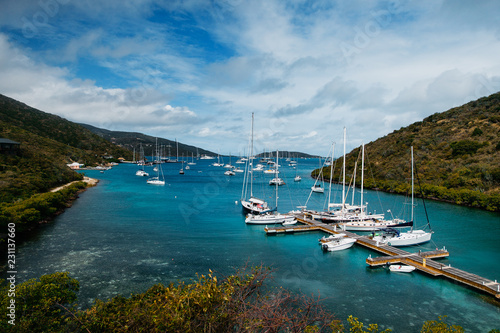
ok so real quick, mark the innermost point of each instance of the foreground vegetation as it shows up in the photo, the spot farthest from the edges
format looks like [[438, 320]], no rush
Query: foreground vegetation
[[28, 213], [457, 154], [239, 303]]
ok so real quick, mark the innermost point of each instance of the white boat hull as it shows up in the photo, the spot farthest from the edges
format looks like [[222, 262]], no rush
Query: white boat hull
[[338, 244], [142, 173], [401, 268], [255, 206], [409, 238], [155, 182], [363, 226], [269, 219]]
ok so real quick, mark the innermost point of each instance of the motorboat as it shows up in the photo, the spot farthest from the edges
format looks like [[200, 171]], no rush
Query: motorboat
[[142, 173], [338, 244], [276, 181], [317, 188], [269, 218], [401, 268]]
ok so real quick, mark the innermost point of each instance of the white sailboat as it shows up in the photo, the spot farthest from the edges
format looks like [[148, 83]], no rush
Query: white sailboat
[[270, 217], [141, 172], [157, 180], [252, 205], [410, 237], [192, 160], [353, 217], [218, 163], [317, 188]]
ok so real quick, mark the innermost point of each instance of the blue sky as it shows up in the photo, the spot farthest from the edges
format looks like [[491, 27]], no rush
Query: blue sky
[[195, 70]]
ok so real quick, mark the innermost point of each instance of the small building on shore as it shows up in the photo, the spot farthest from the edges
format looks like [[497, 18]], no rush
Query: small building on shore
[[9, 147], [75, 165]]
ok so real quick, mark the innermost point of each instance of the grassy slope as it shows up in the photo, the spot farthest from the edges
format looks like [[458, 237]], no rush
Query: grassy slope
[[48, 142], [457, 154]]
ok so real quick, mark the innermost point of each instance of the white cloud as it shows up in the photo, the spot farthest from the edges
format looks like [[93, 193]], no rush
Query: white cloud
[[209, 65]]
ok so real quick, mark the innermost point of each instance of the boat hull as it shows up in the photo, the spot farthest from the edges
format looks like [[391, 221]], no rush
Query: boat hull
[[338, 245], [401, 268], [271, 219], [410, 238]]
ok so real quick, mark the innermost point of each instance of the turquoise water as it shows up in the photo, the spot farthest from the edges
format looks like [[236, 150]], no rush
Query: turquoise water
[[124, 235]]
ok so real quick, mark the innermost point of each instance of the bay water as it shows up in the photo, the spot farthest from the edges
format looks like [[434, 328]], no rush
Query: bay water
[[124, 235]]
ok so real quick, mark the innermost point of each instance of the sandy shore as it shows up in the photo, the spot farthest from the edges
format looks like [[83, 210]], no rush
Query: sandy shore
[[88, 180]]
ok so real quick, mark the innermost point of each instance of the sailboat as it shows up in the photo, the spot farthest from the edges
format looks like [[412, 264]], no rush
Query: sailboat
[[218, 163], [141, 172], [393, 237], [252, 205], [270, 217], [297, 177], [157, 180], [317, 187], [192, 160]]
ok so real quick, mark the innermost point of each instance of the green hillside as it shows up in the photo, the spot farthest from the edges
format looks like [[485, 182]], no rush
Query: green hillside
[[457, 156], [48, 143]]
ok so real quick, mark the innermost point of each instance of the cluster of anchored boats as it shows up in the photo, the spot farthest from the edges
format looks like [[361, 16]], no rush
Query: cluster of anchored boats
[[348, 217]]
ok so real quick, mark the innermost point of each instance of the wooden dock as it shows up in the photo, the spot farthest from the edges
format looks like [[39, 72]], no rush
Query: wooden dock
[[423, 261]]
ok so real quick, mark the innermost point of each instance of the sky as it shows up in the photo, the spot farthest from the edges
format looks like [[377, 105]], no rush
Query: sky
[[196, 70]]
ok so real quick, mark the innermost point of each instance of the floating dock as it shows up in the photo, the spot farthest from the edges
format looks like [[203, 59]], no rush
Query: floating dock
[[423, 261]]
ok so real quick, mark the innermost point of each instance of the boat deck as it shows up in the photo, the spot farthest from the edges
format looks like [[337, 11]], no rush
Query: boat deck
[[423, 261]]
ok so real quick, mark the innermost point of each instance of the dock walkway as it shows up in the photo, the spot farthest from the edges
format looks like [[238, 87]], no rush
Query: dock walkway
[[423, 261]]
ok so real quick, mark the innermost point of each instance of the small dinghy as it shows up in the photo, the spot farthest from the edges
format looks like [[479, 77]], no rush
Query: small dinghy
[[401, 268]]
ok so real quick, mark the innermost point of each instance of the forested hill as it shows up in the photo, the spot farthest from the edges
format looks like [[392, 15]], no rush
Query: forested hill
[[457, 156], [48, 142]]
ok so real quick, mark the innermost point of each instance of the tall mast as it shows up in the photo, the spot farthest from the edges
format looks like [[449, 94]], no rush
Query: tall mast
[[343, 178], [354, 182], [362, 175], [277, 177], [331, 175], [412, 185], [251, 161]]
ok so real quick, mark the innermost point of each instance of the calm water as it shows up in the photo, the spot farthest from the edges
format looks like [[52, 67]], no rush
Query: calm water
[[124, 235]]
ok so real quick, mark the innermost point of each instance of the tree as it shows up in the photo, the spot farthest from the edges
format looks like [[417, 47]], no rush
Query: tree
[[41, 306]]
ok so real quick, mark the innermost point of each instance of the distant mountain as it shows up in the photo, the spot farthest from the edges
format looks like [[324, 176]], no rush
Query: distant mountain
[[457, 156], [133, 140], [48, 143], [286, 154]]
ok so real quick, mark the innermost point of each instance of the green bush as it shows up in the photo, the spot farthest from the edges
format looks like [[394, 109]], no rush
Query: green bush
[[27, 213], [40, 306]]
